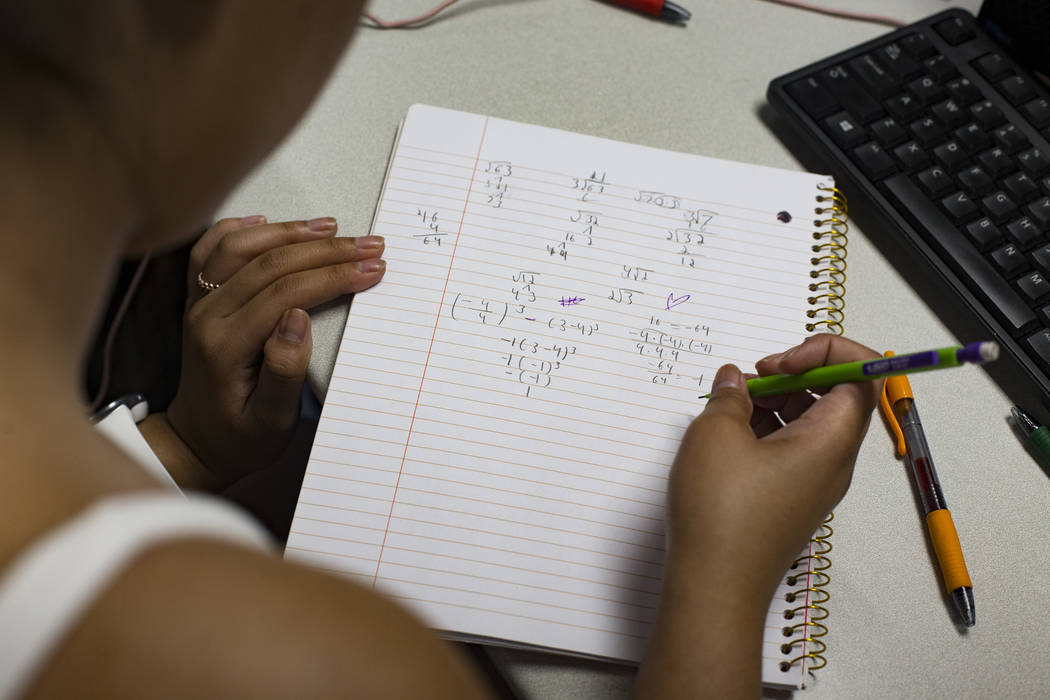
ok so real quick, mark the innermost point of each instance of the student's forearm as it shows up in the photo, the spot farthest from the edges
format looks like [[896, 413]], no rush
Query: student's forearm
[[707, 642], [180, 461]]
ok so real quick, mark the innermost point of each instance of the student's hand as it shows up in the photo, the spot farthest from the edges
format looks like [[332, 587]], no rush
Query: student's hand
[[246, 344], [751, 491], [745, 495]]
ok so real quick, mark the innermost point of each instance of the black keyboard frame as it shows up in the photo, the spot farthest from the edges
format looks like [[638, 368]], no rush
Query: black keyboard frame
[[1017, 373]]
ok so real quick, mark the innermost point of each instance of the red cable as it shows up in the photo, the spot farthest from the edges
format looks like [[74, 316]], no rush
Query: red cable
[[394, 24]]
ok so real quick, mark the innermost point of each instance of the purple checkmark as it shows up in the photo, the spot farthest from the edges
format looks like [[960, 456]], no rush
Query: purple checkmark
[[673, 301]]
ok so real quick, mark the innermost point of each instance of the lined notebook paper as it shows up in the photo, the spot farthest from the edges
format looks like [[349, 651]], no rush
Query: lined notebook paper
[[495, 444]]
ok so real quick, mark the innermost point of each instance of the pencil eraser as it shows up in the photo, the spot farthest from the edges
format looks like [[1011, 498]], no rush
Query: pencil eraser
[[979, 352]]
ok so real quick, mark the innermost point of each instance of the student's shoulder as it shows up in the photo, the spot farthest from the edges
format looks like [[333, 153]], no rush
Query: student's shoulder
[[207, 616]]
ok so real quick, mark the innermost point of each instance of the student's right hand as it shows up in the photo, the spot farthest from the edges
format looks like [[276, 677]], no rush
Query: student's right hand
[[247, 344], [753, 491], [745, 495]]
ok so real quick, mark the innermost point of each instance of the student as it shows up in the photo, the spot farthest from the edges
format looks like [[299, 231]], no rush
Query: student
[[124, 124]]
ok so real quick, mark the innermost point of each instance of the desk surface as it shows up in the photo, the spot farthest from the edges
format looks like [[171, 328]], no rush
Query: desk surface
[[585, 66]]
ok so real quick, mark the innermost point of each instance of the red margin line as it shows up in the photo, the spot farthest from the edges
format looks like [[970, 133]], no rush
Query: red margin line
[[426, 363]]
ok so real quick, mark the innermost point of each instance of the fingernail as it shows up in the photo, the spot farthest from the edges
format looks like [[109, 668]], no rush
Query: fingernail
[[727, 376], [293, 326], [253, 220], [370, 266], [370, 242], [324, 223]]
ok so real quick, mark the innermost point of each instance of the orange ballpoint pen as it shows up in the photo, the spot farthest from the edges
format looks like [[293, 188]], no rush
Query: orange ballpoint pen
[[898, 405]]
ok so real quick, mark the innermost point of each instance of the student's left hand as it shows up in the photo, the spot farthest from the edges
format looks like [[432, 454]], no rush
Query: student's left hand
[[247, 343]]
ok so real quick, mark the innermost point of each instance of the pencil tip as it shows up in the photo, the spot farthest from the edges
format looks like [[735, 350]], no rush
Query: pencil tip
[[963, 599]]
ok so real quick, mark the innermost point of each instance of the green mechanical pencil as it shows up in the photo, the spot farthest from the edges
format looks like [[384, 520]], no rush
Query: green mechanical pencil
[[867, 370]]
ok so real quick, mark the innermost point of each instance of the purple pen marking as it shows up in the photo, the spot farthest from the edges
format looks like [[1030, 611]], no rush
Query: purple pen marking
[[570, 301], [673, 301], [784, 217]]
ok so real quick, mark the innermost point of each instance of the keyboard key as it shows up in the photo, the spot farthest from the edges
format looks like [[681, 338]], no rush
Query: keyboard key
[[939, 67], [900, 64], [1024, 233], [874, 161], [984, 233], [992, 66], [1017, 89], [963, 91], [1010, 261], [935, 181], [1034, 162], [954, 30], [972, 137], [904, 107], [999, 207], [960, 207], [1034, 287], [1009, 138], [1020, 187], [1039, 212], [996, 162], [1039, 344], [812, 97], [951, 156], [1038, 112], [986, 114], [848, 91], [974, 180], [888, 131], [982, 277], [918, 45], [926, 89], [844, 130], [912, 155], [950, 113], [879, 82], [1041, 258], [927, 131]]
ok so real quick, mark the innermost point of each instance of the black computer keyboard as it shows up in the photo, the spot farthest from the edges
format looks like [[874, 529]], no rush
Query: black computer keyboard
[[947, 141]]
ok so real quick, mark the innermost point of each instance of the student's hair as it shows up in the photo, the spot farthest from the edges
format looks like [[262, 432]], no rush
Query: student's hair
[[73, 46]]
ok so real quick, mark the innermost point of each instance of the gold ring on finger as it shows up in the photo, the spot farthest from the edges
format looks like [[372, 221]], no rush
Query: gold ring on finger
[[207, 286]]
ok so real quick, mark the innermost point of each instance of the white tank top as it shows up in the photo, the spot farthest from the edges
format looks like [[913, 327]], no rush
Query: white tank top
[[46, 588]]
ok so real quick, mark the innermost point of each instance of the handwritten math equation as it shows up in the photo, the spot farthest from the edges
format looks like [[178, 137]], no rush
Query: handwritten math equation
[[497, 173], [580, 232], [432, 232], [663, 344], [536, 331], [531, 359], [689, 239]]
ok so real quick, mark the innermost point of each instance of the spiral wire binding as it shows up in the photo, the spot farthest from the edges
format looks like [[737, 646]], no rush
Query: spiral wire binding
[[829, 261], [809, 614], [827, 298], [808, 648]]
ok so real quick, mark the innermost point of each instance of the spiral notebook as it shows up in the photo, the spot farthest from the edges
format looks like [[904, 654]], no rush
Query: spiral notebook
[[495, 443]]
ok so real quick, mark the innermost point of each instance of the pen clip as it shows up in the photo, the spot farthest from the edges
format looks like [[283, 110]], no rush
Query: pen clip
[[891, 417]]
